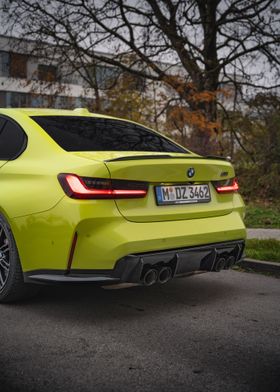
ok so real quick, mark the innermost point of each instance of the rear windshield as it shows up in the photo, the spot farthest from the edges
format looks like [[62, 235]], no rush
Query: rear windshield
[[77, 133]]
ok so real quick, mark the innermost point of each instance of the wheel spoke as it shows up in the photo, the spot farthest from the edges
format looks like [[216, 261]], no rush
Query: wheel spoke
[[4, 264], [4, 248], [1, 280]]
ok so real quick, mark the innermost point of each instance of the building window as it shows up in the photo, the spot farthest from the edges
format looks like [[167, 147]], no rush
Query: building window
[[18, 65], [100, 76], [71, 77], [133, 82], [18, 100], [47, 73], [14, 100], [13, 65], [105, 76], [4, 64], [3, 103]]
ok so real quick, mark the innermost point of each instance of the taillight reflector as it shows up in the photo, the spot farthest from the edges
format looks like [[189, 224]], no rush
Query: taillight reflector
[[226, 186], [72, 250], [99, 188]]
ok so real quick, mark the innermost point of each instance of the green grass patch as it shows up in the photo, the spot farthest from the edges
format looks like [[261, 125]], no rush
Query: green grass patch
[[263, 216], [266, 250]]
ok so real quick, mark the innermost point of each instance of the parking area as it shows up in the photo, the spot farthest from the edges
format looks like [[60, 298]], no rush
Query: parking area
[[210, 332]]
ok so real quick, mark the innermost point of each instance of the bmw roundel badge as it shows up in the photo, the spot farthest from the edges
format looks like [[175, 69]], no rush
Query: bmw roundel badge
[[191, 172]]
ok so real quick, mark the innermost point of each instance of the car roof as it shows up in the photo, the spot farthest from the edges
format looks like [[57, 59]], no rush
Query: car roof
[[54, 112]]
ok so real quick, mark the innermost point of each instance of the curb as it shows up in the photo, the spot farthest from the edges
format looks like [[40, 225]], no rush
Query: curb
[[263, 234], [259, 265]]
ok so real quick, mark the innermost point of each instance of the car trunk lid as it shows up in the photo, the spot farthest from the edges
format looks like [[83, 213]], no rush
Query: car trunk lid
[[166, 169]]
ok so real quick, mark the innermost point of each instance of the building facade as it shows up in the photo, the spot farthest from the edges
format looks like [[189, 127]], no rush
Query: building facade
[[31, 80], [27, 80]]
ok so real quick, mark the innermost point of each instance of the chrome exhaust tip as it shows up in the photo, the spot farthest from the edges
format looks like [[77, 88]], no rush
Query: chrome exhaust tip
[[165, 274], [150, 277]]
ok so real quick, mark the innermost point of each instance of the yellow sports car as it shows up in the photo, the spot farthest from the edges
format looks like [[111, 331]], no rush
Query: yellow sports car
[[92, 198]]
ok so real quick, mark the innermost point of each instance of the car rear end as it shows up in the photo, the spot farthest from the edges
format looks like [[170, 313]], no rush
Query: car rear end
[[158, 211]]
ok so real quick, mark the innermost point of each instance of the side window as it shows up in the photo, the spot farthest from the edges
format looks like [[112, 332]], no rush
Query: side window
[[12, 140], [2, 123]]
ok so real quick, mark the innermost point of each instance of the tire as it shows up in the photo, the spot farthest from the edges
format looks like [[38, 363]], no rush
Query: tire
[[12, 286]]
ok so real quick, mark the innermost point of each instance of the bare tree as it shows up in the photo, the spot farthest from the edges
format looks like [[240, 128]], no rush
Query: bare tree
[[211, 41]]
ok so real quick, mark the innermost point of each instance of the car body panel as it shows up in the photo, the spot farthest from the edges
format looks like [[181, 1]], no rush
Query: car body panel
[[44, 220], [172, 171], [162, 172], [104, 236], [38, 185]]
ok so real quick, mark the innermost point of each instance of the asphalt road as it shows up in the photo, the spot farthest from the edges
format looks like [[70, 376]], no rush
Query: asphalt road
[[211, 332]]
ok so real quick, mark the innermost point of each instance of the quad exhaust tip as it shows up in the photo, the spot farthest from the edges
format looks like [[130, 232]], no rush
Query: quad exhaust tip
[[165, 274], [224, 263], [220, 264], [150, 277], [153, 275]]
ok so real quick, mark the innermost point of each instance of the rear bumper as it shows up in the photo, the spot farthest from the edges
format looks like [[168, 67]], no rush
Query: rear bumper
[[131, 268], [104, 236]]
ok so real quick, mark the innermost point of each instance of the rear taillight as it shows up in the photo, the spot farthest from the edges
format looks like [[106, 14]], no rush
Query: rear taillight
[[101, 188], [226, 186]]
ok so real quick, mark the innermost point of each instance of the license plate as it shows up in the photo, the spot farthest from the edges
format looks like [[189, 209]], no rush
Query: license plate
[[182, 194]]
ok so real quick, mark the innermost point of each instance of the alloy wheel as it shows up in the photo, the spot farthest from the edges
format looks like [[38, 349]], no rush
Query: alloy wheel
[[4, 257]]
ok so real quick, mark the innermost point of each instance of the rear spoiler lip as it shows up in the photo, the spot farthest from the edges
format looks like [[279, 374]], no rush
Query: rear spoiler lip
[[140, 157]]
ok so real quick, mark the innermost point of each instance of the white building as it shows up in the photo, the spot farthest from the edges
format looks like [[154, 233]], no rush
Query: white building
[[29, 80]]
